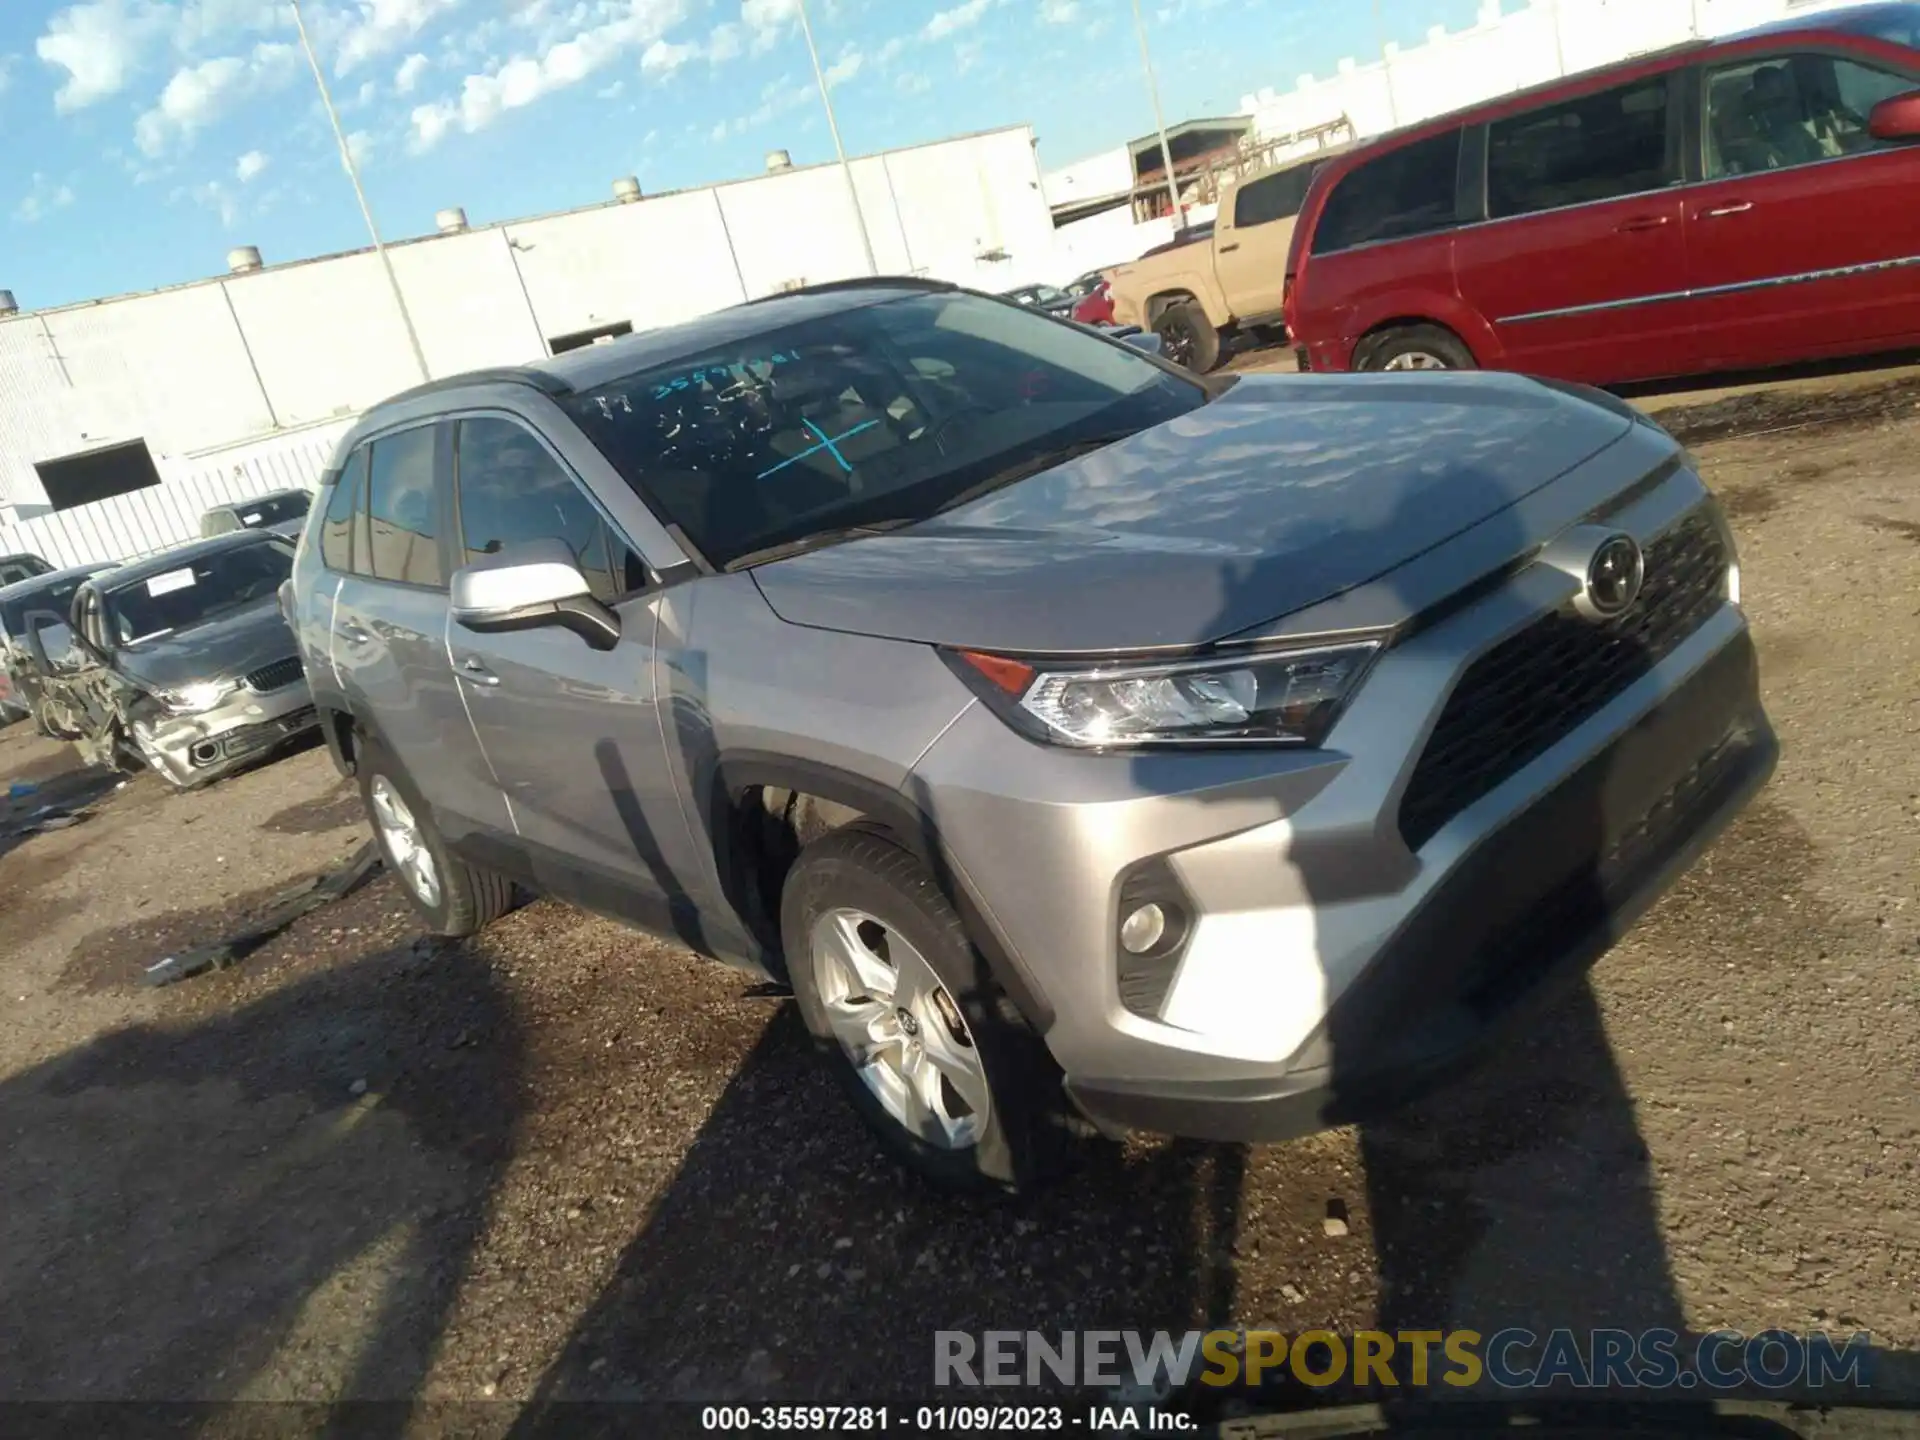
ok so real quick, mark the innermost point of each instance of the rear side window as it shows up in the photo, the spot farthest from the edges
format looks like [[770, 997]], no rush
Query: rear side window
[[512, 490], [403, 520], [336, 526], [1597, 147], [1272, 197], [1405, 192]]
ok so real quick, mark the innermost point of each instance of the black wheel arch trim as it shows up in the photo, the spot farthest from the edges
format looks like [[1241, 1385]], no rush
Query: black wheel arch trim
[[907, 822]]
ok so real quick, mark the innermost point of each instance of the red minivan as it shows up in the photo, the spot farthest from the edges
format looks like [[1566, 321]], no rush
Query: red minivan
[[1738, 203]]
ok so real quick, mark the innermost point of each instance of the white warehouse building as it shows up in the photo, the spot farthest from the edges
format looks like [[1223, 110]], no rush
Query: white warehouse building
[[122, 419]]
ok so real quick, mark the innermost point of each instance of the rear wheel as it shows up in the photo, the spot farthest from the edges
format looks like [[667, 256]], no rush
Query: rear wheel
[[1416, 347], [451, 896], [1188, 338], [934, 1057]]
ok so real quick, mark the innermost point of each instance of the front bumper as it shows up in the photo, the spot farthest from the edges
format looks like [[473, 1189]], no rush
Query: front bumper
[[1349, 938], [189, 749], [1528, 912]]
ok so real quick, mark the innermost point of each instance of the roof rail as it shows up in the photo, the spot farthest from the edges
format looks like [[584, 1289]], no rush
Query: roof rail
[[541, 380], [861, 282]]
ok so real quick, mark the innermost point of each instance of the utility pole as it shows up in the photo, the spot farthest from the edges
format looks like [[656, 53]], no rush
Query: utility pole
[[833, 128], [1386, 64], [353, 175], [1159, 120]]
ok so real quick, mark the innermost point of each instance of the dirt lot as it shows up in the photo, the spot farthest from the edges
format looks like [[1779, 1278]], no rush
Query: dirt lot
[[563, 1160]]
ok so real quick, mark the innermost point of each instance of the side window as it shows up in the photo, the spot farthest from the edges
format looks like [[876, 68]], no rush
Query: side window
[[402, 519], [1408, 191], [336, 527], [1597, 147], [512, 490], [1272, 197], [1791, 110]]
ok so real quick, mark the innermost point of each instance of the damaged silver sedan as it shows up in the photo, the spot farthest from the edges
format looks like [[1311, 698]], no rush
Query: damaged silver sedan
[[180, 662]]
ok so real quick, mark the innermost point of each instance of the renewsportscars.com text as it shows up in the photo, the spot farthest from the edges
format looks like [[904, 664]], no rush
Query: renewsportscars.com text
[[1513, 1359]]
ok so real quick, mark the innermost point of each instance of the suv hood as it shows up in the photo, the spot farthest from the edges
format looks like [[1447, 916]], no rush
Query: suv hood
[[226, 648], [1279, 494]]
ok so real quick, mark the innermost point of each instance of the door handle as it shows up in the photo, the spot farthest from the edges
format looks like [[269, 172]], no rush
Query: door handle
[[1225, 248], [473, 670], [355, 634], [1739, 207], [1642, 222]]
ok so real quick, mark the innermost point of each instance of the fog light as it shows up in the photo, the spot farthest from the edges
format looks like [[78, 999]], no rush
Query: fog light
[[1143, 929]]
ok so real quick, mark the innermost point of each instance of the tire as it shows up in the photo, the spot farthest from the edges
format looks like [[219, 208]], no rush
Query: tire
[[1188, 338], [462, 898], [1022, 1135], [1416, 347]]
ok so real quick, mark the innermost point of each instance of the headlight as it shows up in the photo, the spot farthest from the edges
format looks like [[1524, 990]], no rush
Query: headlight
[[1283, 697], [193, 699]]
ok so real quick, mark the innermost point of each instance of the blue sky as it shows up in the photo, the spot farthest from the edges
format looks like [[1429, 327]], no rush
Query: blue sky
[[140, 139]]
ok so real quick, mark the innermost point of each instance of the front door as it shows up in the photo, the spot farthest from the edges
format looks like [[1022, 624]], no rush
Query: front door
[[1804, 237], [573, 733], [1582, 255]]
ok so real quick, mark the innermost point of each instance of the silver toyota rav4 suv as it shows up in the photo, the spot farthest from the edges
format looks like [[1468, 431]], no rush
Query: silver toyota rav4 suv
[[1090, 747]]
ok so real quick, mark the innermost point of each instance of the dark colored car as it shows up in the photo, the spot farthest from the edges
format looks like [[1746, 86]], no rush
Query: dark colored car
[[1044, 298], [282, 511], [15, 568], [1737, 204], [20, 674]]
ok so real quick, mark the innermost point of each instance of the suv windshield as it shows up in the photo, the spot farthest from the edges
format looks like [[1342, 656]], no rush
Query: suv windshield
[[199, 590], [881, 414]]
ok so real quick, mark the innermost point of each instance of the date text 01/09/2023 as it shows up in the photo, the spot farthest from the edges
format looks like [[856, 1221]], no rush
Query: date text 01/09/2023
[[883, 1420]]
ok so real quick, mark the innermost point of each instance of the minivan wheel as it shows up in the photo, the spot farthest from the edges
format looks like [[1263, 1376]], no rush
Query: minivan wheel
[[934, 1057], [1188, 338], [1416, 347], [452, 897]]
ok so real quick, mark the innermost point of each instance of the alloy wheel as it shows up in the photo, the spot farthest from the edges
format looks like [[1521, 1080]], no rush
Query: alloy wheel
[[406, 844]]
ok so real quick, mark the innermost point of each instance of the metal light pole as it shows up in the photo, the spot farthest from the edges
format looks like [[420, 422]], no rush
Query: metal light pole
[[353, 174], [1159, 120], [1386, 64], [833, 127]]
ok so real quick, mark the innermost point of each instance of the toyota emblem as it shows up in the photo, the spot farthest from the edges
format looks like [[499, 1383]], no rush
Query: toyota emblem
[[1614, 577]]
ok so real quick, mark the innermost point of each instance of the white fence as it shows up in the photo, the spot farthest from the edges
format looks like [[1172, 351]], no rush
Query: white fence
[[143, 521]]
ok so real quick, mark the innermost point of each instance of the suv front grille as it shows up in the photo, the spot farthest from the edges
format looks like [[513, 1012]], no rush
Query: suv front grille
[[276, 676], [1532, 689]]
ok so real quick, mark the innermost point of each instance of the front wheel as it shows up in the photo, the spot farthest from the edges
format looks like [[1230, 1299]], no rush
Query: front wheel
[[452, 897], [1188, 338], [932, 1054]]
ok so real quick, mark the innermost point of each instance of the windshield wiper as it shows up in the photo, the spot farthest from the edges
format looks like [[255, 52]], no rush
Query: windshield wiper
[[1033, 465], [815, 540]]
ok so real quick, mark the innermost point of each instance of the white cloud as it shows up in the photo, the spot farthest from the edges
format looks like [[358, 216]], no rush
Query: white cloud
[[781, 97], [41, 200], [663, 57], [249, 165], [378, 26], [960, 17], [359, 146], [215, 197], [891, 51], [365, 95], [484, 97], [727, 42], [99, 45], [6, 71], [767, 20], [846, 67], [913, 83], [611, 92], [409, 73], [1058, 12], [197, 95]]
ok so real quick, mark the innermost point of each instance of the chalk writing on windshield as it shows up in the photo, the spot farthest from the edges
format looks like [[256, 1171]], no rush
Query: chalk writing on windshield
[[718, 373]]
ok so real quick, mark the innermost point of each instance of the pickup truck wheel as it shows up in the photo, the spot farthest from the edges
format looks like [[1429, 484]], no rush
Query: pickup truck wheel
[[1188, 338], [454, 898], [1416, 347], [933, 1056]]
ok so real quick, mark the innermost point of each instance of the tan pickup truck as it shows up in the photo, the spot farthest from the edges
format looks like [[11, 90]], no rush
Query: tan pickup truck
[[1196, 295]]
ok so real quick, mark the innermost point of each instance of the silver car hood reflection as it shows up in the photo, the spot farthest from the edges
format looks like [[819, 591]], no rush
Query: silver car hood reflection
[[1283, 492]]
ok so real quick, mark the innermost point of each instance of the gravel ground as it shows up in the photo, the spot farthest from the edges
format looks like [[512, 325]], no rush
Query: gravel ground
[[564, 1160]]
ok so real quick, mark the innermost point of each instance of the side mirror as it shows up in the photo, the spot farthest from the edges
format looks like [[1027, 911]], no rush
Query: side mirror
[[1896, 118], [1147, 340], [533, 586]]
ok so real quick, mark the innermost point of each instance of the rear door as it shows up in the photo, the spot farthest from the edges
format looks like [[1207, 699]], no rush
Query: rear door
[[574, 734], [1251, 238], [390, 629], [1582, 258], [1804, 236]]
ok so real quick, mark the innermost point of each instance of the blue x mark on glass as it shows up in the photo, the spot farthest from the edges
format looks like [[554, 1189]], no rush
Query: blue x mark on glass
[[830, 444]]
